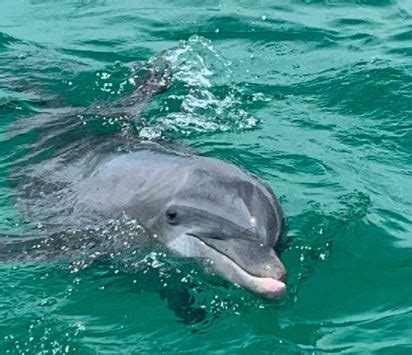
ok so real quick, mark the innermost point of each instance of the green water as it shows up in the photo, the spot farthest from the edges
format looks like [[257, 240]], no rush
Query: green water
[[313, 96]]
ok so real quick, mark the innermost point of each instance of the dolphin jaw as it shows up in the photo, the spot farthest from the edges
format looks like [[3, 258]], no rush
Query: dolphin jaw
[[190, 245]]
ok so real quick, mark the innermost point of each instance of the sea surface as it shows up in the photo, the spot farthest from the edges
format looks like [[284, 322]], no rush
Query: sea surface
[[313, 96]]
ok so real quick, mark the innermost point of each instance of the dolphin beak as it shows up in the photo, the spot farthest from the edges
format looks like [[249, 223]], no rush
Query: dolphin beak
[[243, 262], [265, 286], [250, 265]]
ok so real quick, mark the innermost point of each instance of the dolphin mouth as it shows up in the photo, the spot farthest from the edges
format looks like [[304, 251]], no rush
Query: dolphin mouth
[[230, 269]]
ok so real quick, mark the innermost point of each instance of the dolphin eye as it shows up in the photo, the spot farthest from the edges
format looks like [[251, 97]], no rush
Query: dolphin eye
[[171, 216]]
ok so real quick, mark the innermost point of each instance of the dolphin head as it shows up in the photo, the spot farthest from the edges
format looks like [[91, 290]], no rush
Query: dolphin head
[[230, 218]]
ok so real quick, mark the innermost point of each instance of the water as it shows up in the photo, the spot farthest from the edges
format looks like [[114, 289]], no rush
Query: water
[[315, 97]]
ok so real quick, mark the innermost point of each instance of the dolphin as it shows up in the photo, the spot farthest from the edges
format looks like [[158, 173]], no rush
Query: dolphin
[[197, 207]]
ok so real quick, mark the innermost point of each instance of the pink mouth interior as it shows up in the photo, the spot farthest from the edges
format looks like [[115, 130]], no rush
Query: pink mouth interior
[[270, 287]]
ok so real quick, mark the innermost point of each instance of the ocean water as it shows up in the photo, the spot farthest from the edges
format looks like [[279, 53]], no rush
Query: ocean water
[[313, 96]]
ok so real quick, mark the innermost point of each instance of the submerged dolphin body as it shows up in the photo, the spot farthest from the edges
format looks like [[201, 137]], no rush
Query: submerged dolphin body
[[198, 207]]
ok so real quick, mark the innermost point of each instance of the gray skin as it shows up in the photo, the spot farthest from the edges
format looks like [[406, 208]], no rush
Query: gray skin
[[198, 207]]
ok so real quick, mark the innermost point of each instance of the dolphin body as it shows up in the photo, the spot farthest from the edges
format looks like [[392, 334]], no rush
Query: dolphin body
[[198, 207]]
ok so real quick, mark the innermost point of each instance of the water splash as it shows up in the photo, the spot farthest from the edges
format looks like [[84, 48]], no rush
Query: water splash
[[203, 98]]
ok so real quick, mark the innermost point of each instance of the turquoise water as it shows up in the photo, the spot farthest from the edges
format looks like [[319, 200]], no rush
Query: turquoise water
[[315, 97]]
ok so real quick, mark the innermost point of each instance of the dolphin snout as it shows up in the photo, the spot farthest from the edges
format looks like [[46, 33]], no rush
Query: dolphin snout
[[253, 266], [239, 261]]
